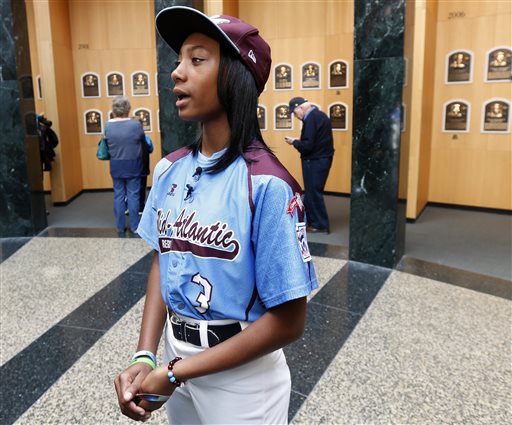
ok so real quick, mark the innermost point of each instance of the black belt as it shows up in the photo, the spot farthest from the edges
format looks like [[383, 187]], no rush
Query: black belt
[[189, 332]]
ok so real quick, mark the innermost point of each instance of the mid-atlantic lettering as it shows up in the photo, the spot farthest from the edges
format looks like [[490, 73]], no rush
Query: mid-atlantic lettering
[[187, 234]]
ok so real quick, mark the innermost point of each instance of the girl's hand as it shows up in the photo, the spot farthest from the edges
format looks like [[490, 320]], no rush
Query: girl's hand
[[158, 383], [127, 385]]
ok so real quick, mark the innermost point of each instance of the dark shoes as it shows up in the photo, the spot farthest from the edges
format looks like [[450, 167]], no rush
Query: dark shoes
[[311, 229]]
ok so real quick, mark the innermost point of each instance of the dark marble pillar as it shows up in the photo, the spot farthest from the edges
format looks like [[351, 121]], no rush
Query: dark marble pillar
[[377, 216], [22, 207], [174, 132]]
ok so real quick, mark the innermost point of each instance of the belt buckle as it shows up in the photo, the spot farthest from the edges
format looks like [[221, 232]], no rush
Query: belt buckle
[[188, 326], [183, 326]]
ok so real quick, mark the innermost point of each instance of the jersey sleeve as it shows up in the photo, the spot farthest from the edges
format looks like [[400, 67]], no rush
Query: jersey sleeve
[[284, 269], [147, 229]]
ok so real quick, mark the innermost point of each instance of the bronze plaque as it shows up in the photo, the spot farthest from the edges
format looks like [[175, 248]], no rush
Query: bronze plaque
[[144, 116], [261, 113], [115, 85], [283, 119], [496, 116], [499, 65], [310, 76], [93, 122], [456, 116], [338, 116], [140, 84], [459, 67], [338, 74], [90, 85], [283, 77]]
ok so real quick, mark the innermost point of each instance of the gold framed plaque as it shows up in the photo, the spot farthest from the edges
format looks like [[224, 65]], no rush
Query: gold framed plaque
[[499, 65], [338, 74], [496, 116], [144, 116], [456, 116], [93, 122], [338, 116], [140, 83], [282, 118], [283, 77], [310, 75], [115, 84], [459, 67], [261, 113], [90, 82]]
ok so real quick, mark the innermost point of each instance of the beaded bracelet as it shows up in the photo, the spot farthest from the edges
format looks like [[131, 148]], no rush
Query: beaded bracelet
[[144, 360], [145, 353], [170, 374]]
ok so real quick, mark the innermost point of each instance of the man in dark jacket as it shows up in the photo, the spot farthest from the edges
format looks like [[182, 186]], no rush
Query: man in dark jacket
[[316, 151]]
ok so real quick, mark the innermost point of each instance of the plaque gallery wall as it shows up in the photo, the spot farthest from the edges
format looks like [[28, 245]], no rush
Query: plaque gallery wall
[[115, 85], [494, 113]]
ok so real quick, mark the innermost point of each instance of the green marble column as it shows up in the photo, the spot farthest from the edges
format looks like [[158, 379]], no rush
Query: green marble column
[[174, 132], [377, 216], [22, 207]]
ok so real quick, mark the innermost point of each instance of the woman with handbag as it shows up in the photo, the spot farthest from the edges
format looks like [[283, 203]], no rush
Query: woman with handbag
[[126, 140]]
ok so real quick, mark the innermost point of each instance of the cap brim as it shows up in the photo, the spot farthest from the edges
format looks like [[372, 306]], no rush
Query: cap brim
[[176, 23]]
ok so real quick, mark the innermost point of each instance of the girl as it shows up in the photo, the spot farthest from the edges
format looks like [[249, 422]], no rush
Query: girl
[[231, 269]]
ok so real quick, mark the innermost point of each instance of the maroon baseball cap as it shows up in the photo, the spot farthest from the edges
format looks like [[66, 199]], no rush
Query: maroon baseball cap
[[175, 24]]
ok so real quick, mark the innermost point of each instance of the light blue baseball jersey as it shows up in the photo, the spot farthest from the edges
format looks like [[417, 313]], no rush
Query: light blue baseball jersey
[[231, 245]]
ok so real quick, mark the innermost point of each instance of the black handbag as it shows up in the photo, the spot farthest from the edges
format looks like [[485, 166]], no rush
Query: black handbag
[[102, 153]]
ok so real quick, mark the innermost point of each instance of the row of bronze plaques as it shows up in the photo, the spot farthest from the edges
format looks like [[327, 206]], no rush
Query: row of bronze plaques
[[495, 116], [460, 64], [283, 80], [93, 118], [456, 117], [115, 84], [310, 75]]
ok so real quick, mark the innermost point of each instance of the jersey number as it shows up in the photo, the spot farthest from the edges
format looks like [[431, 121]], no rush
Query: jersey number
[[206, 294]]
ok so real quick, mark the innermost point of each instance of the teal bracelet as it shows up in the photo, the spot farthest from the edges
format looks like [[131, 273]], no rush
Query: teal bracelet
[[144, 360]]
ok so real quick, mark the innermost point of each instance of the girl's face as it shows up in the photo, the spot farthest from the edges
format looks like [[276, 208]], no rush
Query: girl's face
[[195, 79]]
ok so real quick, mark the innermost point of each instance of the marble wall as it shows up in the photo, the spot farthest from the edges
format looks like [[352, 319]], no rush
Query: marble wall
[[377, 216], [174, 132], [22, 207]]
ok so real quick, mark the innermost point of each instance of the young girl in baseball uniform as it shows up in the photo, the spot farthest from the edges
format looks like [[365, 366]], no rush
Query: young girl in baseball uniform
[[231, 268]]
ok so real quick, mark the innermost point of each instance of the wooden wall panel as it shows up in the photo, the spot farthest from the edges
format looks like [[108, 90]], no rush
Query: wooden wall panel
[[107, 37], [470, 168]]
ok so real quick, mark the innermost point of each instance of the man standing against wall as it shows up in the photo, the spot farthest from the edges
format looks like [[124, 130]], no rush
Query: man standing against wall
[[316, 151]]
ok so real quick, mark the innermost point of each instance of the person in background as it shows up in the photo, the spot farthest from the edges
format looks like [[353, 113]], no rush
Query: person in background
[[48, 141], [316, 151], [126, 143]]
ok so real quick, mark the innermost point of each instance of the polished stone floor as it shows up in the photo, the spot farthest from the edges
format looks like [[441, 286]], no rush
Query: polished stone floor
[[424, 343]]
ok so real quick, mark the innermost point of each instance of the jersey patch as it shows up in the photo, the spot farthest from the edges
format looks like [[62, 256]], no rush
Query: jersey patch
[[300, 230], [295, 203]]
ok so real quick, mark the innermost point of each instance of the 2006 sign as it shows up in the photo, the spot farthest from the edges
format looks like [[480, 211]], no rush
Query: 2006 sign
[[457, 14]]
